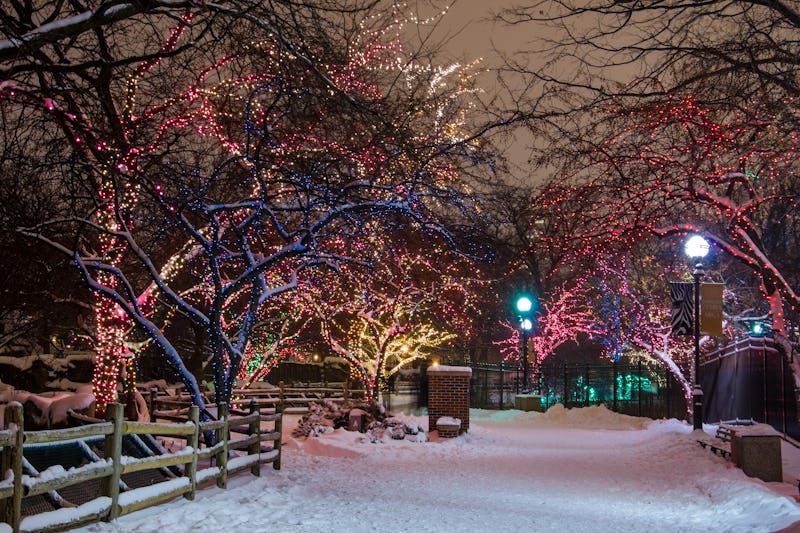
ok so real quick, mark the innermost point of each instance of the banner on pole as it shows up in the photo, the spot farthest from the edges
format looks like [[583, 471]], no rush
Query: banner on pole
[[682, 308], [711, 308]]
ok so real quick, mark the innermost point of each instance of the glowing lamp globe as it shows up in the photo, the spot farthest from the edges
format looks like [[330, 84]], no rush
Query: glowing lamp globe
[[526, 324], [696, 247], [524, 304]]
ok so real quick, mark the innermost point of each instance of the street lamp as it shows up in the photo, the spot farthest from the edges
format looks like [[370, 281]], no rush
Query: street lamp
[[697, 248], [524, 308]]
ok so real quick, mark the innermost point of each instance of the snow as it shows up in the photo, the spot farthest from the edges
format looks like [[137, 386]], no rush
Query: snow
[[242, 462], [756, 430], [207, 474], [443, 369], [51, 408], [153, 491], [575, 470], [186, 451], [60, 407], [60, 516], [43, 404], [8, 480], [448, 421], [58, 472]]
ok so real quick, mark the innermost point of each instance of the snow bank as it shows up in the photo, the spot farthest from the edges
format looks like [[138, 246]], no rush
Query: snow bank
[[597, 416]]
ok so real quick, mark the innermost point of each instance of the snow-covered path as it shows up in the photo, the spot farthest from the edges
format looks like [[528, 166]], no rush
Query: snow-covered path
[[578, 470]]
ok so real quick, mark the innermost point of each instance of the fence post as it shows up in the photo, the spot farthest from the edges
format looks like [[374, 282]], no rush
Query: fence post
[[255, 429], [11, 508], [764, 394], [152, 402], [639, 386], [565, 385], [782, 362], [586, 380], [222, 456], [280, 394], [502, 385], [486, 396], [345, 389], [614, 384], [194, 418], [279, 430], [113, 452]]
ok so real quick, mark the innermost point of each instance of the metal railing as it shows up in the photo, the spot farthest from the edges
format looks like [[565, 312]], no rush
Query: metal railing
[[634, 389]]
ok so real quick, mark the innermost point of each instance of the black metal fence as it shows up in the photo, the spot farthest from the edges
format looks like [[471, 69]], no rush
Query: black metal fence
[[634, 389], [750, 380]]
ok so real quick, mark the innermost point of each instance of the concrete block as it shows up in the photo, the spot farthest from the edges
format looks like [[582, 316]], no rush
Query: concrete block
[[528, 402], [758, 455]]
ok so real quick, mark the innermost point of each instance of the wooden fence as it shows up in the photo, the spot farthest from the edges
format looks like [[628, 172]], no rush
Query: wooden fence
[[112, 502], [294, 400]]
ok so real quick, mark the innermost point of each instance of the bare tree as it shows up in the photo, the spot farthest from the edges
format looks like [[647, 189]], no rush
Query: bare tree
[[740, 48]]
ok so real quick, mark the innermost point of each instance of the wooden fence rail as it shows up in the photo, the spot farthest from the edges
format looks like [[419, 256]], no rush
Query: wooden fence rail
[[287, 399], [233, 432]]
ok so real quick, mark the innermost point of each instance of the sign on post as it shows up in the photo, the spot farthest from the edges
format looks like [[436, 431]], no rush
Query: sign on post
[[682, 308], [711, 308]]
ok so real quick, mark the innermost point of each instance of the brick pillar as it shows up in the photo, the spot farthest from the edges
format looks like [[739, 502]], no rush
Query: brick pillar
[[448, 394]]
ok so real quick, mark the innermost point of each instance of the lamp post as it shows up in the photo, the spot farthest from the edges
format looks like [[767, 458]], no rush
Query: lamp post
[[524, 308], [696, 248]]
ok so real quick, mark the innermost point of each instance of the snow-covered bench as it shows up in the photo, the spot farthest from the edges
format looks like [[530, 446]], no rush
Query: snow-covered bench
[[722, 445], [716, 449], [724, 433]]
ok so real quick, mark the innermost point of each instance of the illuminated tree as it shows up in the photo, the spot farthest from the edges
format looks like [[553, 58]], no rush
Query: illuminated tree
[[298, 156], [656, 120], [383, 348], [681, 112], [396, 307], [562, 317], [76, 131], [675, 167], [95, 90], [605, 303], [282, 331]]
